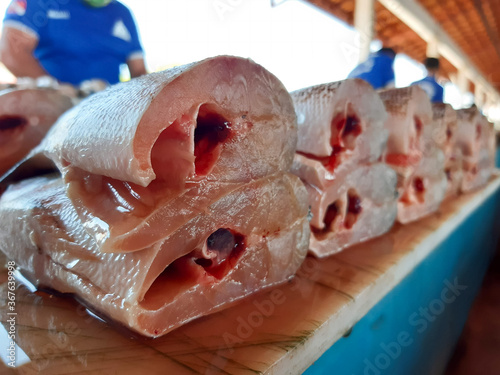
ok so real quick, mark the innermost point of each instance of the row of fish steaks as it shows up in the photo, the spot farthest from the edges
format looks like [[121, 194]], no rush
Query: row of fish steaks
[[174, 195]]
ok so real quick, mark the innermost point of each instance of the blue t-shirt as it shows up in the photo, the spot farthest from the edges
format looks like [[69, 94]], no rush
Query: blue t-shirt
[[376, 70], [75, 41], [432, 88]]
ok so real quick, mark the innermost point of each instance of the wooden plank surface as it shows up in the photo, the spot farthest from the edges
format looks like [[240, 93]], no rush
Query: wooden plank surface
[[279, 331]]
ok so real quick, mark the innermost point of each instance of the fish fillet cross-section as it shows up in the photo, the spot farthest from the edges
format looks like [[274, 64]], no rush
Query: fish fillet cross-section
[[174, 199], [476, 139], [445, 134], [412, 151], [342, 136]]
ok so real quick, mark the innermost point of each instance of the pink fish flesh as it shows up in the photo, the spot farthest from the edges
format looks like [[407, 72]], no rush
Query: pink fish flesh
[[413, 152], [476, 139], [175, 198]]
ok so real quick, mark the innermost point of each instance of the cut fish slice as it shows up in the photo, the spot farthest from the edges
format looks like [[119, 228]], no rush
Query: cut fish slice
[[475, 137], [341, 124], [250, 238], [410, 126], [175, 198], [196, 130], [361, 206], [224, 118], [445, 128], [25, 117], [341, 137], [413, 152]]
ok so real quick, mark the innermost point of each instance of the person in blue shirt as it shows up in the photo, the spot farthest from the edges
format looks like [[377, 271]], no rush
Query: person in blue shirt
[[377, 69], [70, 40], [429, 83]]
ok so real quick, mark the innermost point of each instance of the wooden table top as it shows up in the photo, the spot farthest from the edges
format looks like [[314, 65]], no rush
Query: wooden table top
[[279, 331]]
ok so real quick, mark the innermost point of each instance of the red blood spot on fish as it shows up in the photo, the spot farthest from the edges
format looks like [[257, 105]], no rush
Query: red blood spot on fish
[[8, 122], [418, 183], [228, 246], [419, 189], [339, 123], [211, 130], [478, 131], [221, 242], [329, 162], [332, 213], [168, 156], [191, 269], [345, 129]]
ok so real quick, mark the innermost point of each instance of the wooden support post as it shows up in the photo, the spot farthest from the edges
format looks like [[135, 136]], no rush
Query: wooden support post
[[364, 20]]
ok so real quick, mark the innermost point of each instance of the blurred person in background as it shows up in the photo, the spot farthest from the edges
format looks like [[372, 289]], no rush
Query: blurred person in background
[[71, 40], [429, 83], [378, 69]]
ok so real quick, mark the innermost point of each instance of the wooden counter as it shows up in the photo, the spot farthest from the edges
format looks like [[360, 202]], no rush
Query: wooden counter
[[280, 331]]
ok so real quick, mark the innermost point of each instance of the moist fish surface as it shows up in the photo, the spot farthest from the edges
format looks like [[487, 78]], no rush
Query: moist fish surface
[[174, 199], [125, 150], [476, 139], [256, 236], [445, 134]]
